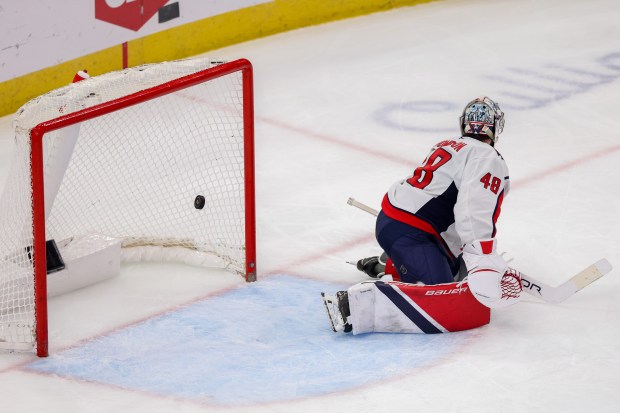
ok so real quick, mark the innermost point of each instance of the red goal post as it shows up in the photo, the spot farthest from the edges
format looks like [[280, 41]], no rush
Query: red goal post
[[128, 156]]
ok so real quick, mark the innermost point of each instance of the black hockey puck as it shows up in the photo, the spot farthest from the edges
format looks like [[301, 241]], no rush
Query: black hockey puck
[[199, 202]]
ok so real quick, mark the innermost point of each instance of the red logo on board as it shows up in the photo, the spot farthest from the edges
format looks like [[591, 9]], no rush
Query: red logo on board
[[131, 14]]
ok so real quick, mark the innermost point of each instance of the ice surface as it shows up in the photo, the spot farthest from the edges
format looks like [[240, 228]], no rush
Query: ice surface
[[344, 109]]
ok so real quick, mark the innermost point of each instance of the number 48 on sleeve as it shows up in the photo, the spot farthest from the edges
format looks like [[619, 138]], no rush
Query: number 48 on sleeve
[[491, 182]]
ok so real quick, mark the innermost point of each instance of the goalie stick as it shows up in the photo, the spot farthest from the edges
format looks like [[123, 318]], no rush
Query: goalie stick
[[535, 287]]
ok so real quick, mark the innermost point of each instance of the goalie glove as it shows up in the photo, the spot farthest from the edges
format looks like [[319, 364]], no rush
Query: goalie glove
[[490, 279]]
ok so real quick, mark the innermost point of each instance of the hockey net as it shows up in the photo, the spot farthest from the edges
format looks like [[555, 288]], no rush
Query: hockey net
[[128, 155]]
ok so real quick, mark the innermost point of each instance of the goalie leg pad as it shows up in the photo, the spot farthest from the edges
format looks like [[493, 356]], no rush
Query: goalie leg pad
[[407, 308]]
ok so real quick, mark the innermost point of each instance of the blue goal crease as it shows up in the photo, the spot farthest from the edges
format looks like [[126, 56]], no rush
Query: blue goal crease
[[262, 342]]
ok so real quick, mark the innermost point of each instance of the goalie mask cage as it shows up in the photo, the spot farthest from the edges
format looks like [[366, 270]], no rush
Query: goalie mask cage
[[129, 155]]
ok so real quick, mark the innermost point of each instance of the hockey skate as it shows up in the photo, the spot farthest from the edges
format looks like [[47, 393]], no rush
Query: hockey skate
[[338, 312], [373, 266]]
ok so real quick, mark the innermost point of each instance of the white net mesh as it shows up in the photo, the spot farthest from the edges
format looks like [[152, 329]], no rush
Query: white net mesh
[[131, 174]]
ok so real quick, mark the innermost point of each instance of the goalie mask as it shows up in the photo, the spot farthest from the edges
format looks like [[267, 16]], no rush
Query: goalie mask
[[482, 118]]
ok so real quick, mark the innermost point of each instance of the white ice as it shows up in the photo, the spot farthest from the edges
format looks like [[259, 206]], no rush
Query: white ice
[[346, 108]]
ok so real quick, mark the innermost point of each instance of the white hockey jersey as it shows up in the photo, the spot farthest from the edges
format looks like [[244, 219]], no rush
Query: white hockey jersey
[[456, 194]]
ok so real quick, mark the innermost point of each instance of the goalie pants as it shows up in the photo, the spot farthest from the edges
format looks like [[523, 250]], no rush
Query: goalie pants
[[416, 255]]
